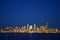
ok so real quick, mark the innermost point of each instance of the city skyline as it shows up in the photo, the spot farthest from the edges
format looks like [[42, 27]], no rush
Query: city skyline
[[20, 25], [30, 29], [29, 19]]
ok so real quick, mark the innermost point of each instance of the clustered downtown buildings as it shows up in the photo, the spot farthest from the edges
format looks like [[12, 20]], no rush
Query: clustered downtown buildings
[[30, 29]]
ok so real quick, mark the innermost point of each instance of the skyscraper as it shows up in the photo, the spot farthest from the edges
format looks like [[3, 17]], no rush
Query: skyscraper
[[46, 25]]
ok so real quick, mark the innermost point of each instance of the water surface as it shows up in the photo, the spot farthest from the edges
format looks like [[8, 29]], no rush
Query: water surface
[[29, 36]]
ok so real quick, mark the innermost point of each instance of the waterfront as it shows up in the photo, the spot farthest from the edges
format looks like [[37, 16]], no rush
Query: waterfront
[[30, 29], [29, 36]]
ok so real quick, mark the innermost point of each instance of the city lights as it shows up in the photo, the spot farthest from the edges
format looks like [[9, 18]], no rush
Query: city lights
[[30, 29]]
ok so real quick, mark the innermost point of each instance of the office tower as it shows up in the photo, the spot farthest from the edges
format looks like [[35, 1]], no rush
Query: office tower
[[47, 25], [35, 27]]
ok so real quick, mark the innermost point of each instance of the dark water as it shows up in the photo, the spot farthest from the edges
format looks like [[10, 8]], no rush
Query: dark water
[[29, 36]]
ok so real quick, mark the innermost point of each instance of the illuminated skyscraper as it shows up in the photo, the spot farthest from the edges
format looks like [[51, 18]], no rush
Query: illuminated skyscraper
[[56, 29], [30, 28], [27, 25], [34, 27], [47, 25]]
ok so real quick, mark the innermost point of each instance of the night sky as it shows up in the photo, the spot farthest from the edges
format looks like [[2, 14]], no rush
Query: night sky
[[22, 12]]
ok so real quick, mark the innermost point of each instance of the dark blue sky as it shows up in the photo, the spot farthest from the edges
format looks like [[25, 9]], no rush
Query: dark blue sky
[[17, 12]]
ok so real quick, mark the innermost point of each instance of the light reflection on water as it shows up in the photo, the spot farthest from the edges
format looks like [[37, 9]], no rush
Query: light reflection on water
[[29, 36]]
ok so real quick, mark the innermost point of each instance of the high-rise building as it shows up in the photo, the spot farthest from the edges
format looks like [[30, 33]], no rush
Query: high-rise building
[[30, 28], [27, 26], [56, 29], [47, 25], [34, 27]]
